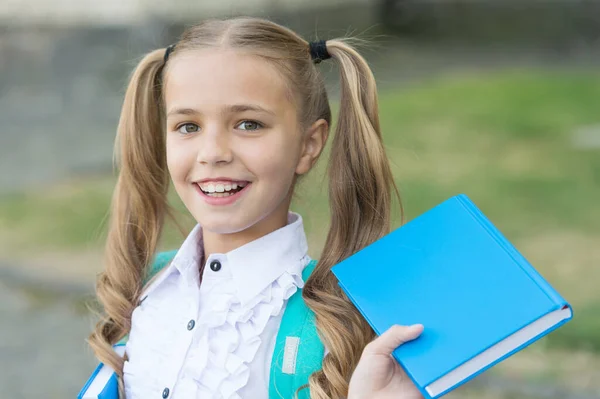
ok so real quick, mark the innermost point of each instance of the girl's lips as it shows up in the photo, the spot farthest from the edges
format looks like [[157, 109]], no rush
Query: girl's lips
[[230, 199]]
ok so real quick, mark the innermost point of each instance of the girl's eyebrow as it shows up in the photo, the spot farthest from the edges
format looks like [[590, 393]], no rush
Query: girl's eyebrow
[[182, 111], [235, 108]]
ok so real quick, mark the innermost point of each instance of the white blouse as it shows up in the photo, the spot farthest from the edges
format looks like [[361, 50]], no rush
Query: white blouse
[[215, 339]]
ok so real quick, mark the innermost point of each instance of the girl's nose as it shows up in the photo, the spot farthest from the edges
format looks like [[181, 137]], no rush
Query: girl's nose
[[214, 147]]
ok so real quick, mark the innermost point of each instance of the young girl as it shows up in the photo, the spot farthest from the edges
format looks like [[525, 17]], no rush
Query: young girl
[[234, 114]]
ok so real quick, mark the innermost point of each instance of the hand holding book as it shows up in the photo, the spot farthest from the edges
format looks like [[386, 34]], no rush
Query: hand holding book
[[378, 375]]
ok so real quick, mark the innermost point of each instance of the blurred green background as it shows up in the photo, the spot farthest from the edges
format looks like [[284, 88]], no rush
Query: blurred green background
[[520, 137]]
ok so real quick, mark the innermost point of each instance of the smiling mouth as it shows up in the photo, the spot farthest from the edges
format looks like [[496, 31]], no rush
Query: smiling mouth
[[222, 190]]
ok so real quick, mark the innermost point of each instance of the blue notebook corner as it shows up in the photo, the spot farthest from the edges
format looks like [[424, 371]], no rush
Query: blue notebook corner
[[453, 271], [103, 383]]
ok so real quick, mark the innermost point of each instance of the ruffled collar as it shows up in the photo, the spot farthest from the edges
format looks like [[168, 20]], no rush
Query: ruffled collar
[[253, 266]]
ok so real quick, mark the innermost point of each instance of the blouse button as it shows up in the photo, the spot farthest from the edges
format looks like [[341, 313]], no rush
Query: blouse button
[[165, 394], [191, 325], [215, 265]]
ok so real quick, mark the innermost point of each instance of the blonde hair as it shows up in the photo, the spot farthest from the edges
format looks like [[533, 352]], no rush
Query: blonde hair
[[360, 185]]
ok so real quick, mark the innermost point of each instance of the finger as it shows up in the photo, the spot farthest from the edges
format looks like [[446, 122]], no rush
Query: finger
[[393, 338]]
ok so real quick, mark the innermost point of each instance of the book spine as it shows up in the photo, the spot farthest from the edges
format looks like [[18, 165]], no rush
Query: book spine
[[519, 259]]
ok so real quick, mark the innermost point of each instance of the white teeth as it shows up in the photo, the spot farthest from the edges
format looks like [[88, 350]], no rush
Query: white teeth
[[221, 187], [218, 195]]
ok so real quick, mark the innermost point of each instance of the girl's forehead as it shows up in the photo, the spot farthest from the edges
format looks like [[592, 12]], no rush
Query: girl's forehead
[[217, 76]]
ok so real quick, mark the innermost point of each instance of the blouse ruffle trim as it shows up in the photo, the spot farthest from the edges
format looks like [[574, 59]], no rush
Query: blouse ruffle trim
[[233, 336]]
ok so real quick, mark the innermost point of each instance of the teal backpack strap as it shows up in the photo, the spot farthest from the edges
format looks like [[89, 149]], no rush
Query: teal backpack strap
[[161, 259], [298, 349]]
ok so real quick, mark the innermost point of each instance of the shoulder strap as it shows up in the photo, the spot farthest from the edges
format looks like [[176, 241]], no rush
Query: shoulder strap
[[298, 349], [161, 259]]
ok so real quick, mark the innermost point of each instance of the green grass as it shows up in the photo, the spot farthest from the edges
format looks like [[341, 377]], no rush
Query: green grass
[[66, 216], [505, 140], [582, 333], [502, 138]]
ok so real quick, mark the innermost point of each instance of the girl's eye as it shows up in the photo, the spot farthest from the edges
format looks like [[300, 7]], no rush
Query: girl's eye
[[186, 128], [250, 125]]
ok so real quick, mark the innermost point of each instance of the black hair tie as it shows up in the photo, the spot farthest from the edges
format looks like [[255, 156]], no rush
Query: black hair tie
[[168, 51], [318, 51]]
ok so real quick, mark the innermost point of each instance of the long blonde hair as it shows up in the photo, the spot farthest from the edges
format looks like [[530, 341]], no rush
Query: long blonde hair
[[360, 185]]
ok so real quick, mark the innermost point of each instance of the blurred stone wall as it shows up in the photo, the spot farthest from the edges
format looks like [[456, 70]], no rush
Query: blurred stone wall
[[120, 12], [537, 22]]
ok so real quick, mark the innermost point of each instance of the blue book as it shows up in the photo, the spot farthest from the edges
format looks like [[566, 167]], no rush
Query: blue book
[[451, 270], [103, 383]]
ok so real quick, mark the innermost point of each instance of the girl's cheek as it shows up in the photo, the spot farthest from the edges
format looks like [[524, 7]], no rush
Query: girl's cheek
[[276, 166], [179, 159]]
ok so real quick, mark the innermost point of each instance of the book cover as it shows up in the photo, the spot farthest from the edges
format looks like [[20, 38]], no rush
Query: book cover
[[103, 383], [453, 271]]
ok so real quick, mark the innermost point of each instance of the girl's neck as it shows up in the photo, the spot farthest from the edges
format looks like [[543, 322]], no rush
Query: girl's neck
[[223, 243]]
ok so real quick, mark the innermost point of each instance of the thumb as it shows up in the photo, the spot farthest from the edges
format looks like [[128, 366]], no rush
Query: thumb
[[392, 338]]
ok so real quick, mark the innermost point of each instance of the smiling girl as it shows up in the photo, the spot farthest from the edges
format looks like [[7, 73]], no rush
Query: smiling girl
[[233, 114]]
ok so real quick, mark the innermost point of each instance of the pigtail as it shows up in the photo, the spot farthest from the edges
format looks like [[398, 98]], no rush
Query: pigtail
[[360, 193], [138, 208]]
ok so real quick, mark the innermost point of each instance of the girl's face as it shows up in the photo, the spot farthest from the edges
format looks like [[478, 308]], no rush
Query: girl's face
[[234, 143]]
